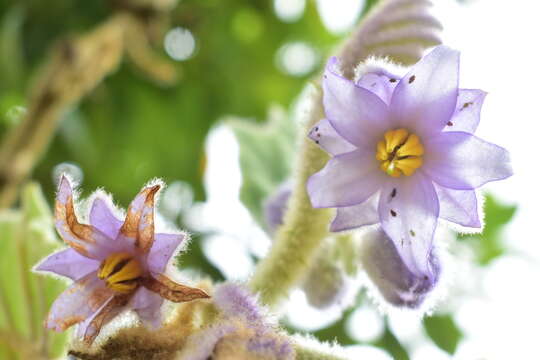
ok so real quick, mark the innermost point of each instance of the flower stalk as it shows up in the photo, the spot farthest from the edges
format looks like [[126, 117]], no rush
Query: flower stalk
[[304, 227]]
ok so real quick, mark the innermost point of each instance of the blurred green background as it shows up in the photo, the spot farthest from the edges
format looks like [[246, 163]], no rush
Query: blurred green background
[[133, 128]]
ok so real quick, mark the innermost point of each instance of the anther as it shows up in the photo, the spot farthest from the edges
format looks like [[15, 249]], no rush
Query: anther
[[121, 272], [400, 153]]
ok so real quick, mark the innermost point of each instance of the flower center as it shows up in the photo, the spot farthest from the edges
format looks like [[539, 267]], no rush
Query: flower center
[[400, 153], [121, 272]]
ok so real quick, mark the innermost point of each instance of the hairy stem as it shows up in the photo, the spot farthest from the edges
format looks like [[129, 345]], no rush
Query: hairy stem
[[303, 230], [304, 227]]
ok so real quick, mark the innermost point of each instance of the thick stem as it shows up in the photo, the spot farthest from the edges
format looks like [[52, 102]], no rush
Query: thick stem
[[76, 67], [303, 230], [304, 227]]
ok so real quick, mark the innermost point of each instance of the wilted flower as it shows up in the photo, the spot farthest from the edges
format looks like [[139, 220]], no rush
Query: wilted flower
[[116, 265], [404, 153], [243, 332]]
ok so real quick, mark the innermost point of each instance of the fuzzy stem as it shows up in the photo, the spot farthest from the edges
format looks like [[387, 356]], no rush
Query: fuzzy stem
[[303, 230], [304, 227]]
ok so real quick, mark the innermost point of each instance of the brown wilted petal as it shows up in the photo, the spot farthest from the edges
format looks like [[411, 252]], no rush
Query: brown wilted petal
[[171, 290], [85, 239], [139, 224]]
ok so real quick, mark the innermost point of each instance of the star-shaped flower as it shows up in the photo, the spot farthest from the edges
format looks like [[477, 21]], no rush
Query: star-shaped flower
[[115, 265], [404, 153]]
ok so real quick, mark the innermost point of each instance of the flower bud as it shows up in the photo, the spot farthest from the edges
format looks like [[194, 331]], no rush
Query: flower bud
[[325, 283], [276, 205], [397, 284]]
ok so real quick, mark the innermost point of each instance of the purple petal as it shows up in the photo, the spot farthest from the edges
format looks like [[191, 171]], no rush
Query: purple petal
[[393, 278], [379, 82], [68, 263], [102, 217], [408, 209], [85, 239], [89, 329], [352, 217], [147, 304], [82, 299], [164, 247], [425, 98], [357, 114], [327, 138], [276, 205], [461, 161], [467, 114], [346, 180], [459, 206]]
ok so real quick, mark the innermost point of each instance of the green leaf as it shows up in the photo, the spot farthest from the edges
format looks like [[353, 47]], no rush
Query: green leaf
[[489, 245], [266, 156], [26, 236], [443, 331]]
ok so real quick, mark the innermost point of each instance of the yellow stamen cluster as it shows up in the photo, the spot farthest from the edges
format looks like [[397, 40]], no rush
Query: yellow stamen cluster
[[400, 153], [121, 272]]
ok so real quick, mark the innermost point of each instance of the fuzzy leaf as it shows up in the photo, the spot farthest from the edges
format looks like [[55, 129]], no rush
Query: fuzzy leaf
[[26, 236], [266, 155]]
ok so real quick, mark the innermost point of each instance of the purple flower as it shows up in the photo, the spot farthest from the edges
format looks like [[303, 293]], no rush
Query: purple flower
[[115, 265], [404, 154]]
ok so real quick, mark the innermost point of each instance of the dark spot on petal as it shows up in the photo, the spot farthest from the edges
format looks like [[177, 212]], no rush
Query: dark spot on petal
[[412, 78], [466, 105], [393, 213], [316, 141], [394, 192], [426, 277], [318, 134], [392, 80], [412, 232], [450, 123], [374, 84], [316, 128]]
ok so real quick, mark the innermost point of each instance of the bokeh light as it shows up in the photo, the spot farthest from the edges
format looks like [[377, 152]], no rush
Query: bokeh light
[[179, 44], [289, 10], [297, 58]]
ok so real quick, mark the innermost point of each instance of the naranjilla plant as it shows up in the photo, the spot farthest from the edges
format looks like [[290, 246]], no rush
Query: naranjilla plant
[[357, 186]]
